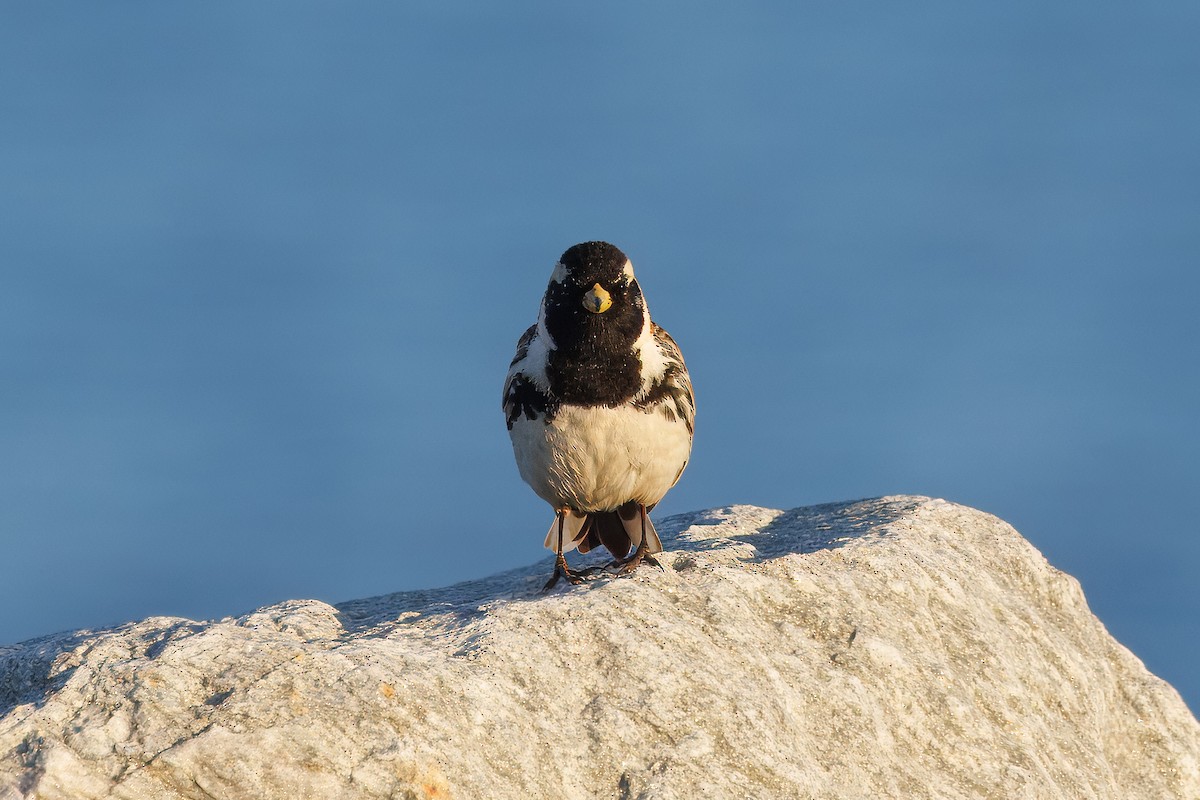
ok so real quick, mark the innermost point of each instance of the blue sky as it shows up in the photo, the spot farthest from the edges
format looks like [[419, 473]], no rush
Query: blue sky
[[263, 267]]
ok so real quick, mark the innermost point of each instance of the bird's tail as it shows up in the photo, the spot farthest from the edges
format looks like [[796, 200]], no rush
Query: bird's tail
[[618, 531]]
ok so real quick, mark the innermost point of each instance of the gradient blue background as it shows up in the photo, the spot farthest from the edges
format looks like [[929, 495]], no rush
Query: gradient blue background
[[262, 269]]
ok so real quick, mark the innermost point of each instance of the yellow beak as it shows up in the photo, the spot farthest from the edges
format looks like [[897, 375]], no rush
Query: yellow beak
[[597, 300]]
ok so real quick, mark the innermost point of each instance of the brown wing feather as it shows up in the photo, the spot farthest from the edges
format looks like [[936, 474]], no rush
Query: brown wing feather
[[676, 383]]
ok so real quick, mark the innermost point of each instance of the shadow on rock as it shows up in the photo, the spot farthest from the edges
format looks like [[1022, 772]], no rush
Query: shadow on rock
[[30, 672], [770, 534], [456, 605], [794, 532]]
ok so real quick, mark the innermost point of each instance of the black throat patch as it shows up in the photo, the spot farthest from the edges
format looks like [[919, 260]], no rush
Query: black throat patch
[[593, 363]]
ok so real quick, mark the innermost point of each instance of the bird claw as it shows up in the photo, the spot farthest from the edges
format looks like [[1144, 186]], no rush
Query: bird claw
[[619, 566], [562, 571], [625, 566]]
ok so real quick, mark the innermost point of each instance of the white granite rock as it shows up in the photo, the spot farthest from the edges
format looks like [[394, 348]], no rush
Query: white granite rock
[[892, 648]]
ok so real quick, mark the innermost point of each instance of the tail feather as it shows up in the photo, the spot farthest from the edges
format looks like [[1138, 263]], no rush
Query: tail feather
[[605, 528], [617, 531], [573, 525], [653, 543], [631, 519]]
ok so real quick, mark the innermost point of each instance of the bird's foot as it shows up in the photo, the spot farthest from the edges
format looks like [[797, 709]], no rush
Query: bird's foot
[[624, 566], [561, 570]]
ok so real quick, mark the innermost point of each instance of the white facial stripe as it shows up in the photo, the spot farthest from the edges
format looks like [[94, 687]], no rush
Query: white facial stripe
[[543, 333], [560, 273], [533, 366], [654, 363], [628, 271]]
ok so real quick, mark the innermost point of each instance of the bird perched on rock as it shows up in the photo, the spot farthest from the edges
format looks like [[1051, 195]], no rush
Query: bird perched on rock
[[600, 409]]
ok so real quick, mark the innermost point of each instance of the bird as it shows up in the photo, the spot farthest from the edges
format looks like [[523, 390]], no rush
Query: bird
[[600, 410]]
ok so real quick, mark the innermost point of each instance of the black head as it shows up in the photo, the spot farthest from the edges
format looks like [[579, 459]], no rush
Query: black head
[[593, 293], [594, 312], [594, 262]]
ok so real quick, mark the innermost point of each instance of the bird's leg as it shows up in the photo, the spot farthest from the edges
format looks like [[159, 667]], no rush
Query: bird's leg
[[560, 563], [642, 553]]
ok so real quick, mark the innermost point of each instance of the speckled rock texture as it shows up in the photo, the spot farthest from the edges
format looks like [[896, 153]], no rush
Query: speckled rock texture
[[892, 648]]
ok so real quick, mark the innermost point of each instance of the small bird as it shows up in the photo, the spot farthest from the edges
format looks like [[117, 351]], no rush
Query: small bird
[[600, 409]]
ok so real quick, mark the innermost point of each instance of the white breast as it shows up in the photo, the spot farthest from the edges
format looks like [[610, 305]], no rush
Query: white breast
[[595, 459]]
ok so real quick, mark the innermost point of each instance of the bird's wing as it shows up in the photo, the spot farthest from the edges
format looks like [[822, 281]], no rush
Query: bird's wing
[[674, 385], [514, 367], [521, 395]]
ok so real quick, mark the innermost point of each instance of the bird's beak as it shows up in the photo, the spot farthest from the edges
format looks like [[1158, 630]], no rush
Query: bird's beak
[[597, 300]]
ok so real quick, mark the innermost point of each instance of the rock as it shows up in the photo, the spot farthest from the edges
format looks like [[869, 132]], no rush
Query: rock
[[899, 647]]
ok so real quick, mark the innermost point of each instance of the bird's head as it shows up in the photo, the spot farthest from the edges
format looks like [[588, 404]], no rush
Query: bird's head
[[593, 293]]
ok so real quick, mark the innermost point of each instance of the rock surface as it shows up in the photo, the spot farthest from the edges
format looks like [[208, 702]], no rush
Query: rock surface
[[899, 647]]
